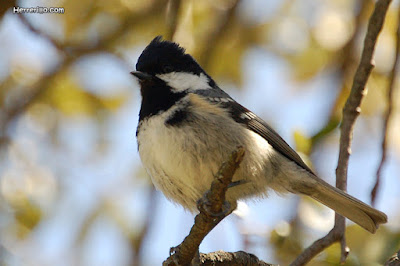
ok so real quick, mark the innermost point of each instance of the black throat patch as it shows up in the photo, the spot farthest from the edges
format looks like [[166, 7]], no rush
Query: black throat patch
[[156, 98]]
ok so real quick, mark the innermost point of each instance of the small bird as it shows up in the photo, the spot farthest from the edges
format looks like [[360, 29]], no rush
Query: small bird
[[188, 126]]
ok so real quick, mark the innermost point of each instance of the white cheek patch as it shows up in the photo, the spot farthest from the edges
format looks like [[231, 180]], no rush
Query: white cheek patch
[[180, 81]]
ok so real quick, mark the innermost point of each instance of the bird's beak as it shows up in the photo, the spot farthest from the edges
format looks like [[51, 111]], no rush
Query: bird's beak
[[141, 75]]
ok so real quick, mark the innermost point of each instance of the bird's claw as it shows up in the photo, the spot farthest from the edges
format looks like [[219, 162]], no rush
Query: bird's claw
[[205, 207]]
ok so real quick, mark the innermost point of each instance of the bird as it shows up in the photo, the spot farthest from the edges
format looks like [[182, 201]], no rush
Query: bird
[[188, 126]]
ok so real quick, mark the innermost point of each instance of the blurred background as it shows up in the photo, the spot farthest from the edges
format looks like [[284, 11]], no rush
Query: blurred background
[[72, 188]]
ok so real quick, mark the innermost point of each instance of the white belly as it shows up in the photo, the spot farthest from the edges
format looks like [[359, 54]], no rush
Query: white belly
[[183, 160]]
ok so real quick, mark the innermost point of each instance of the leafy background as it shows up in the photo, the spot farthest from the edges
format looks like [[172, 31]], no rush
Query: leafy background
[[72, 188]]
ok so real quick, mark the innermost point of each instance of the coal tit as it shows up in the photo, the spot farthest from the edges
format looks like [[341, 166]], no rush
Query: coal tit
[[188, 126]]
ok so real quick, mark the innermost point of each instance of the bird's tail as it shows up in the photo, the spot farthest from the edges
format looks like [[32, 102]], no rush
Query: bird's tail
[[346, 205]]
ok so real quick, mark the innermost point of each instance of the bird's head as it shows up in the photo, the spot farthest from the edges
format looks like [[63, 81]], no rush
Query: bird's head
[[166, 62]]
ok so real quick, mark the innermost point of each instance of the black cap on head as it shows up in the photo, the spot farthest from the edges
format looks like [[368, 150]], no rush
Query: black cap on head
[[164, 57]]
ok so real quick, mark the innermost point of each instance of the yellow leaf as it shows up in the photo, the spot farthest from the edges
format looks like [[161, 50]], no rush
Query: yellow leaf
[[303, 143], [27, 215]]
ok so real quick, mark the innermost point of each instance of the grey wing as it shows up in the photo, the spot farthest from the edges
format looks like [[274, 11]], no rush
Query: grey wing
[[253, 122], [276, 141], [250, 120]]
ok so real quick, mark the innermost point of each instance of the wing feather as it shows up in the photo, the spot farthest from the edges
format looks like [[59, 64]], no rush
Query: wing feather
[[251, 121]]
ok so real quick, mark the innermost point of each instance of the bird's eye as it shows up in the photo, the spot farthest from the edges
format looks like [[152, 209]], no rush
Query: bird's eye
[[167, 69]]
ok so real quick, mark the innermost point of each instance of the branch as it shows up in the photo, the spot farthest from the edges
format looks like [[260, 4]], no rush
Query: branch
[[345, 69], [225, 18], [351, 111], [6, 6], [137, 243], [42, 34], [74, 53], [223, 258], [394, 260], [388, 114], [21, 105], [213, 209], [172, 18]]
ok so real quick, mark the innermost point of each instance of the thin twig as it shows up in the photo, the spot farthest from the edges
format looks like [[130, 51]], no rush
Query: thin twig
[[225, 18], [388, 114], [6, 6], [345, 69], [46, 36], [74, 53], [394, 260], [318, 246], [138, 241], [21, 105], [172, 18], [212, 208], [351, 111]]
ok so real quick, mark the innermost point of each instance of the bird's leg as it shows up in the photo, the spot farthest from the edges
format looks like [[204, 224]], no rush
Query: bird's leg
[[227, 208]]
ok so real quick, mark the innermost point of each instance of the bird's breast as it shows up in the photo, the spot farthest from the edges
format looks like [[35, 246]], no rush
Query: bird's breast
[[183, 158]]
